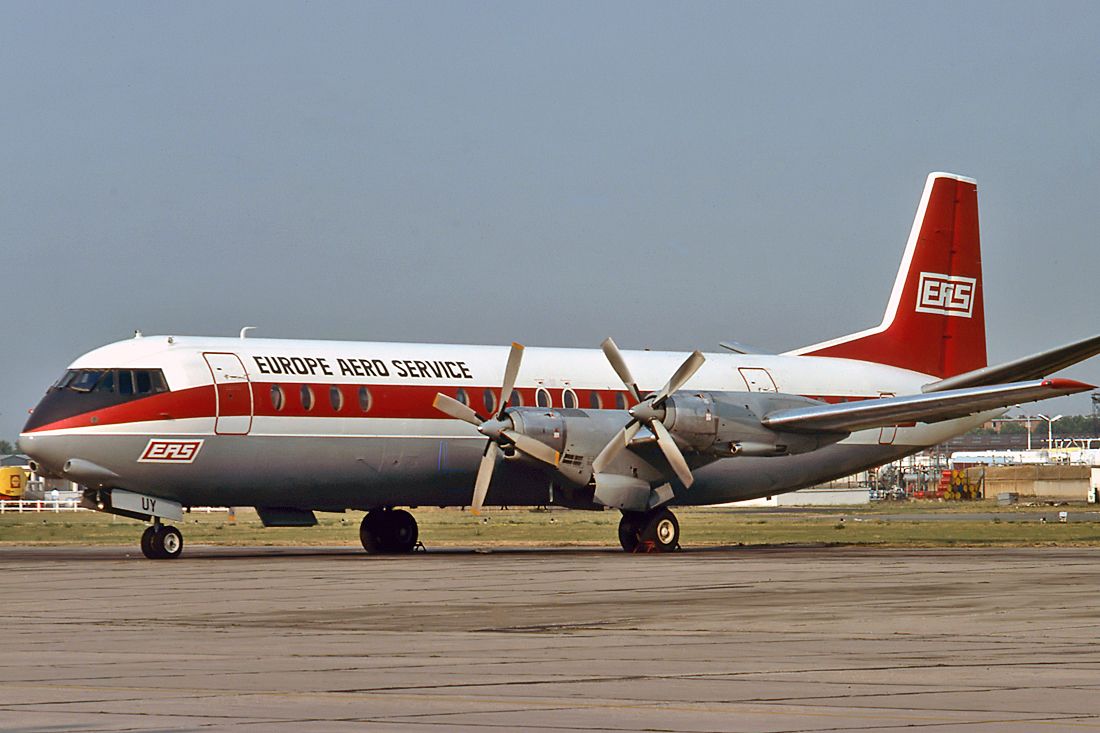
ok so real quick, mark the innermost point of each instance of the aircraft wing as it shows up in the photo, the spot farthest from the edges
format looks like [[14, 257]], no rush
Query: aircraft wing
[[945, 405], [1026, 367]]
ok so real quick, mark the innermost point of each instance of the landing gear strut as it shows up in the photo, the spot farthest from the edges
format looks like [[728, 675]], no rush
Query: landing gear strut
[[652, 531], [388, 531], [161, 541]]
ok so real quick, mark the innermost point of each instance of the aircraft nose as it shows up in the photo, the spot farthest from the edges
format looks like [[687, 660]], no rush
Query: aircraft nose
[[46, 451]]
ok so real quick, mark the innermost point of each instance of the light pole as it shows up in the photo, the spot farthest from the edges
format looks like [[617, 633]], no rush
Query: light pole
[[1050, 428]]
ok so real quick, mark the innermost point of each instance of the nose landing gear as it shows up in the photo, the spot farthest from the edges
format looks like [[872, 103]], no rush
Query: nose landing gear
[[652, 531], [161, 542], [388, 531]]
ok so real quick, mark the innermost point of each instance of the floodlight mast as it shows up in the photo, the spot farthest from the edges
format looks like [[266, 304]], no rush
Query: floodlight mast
[[1050, 430]]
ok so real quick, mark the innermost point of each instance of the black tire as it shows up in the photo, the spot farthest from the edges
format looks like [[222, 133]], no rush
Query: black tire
[[370, 532], [402, 532], [629, 529], [147, 543], [167, 543], [662, 529]]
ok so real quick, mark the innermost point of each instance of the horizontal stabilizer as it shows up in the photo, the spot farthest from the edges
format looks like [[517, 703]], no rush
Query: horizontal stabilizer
[[1035, 366], [739, 348], [887, 411]]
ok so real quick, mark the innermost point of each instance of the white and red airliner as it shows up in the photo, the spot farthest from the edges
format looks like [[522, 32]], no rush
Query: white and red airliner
[[153, 425]]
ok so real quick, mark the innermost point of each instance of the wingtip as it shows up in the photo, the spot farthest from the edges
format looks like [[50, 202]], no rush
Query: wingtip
[[1068, 384]]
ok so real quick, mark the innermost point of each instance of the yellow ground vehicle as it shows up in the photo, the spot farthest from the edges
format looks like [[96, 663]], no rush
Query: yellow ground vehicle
[[13, 481]]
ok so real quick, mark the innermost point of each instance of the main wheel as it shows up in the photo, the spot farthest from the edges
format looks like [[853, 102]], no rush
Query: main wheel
[[167, 543], [388, 531], [402, 532], [630, 526], [371, 531], [662, 530]]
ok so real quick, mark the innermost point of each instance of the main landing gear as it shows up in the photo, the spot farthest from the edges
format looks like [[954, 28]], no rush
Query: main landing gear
[[652, 531], [161, 541], [388, 532]]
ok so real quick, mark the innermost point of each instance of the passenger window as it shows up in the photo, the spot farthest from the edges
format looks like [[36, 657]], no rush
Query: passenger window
[[594, 401], [515, 399], [125, 381], [364, 399], [307, 397], [569, 399], [490, 400], [620, 400], [542, 397], [106, 382], [277, 399], [336, 398], [461, 396]]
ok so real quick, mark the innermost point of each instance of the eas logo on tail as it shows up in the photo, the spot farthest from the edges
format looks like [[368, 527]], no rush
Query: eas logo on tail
[[170, 451], [949, 295]]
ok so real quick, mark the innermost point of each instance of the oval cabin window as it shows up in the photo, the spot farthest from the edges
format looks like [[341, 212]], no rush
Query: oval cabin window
[[307, 397], [277, 399], [336, 398], [569, 399], [364, 399], [542, 397]]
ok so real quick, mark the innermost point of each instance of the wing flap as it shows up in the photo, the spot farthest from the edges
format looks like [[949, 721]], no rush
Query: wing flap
[[1034, 366], [934, 407]]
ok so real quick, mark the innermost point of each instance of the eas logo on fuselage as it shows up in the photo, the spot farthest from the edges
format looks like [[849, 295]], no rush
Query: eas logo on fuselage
[[949, 295], [170, 451]]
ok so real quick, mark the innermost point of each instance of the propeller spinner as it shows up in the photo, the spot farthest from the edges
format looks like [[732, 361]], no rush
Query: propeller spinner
[[498, 427], [648, 412]]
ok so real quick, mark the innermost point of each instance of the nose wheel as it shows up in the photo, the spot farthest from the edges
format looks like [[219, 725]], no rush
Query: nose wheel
[[388, 532], [653, 531], [161, 542]]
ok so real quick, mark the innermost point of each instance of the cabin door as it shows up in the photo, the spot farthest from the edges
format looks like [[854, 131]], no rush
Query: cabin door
[[233, 393]]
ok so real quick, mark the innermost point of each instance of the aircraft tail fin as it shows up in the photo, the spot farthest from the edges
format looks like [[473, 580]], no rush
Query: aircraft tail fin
[[935, 319]]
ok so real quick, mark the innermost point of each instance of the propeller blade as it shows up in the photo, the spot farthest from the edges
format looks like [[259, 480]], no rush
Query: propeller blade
[[611, 351], [618, 443], [511, 370], [683, 374], [672, 453], [532, 447], [484, 475], [453, 408]]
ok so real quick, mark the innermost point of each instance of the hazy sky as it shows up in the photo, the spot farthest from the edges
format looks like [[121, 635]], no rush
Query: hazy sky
[[670, 174]]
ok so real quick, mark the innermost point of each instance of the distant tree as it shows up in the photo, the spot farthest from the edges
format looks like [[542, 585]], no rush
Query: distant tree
[[6, 447], [1013, 428]]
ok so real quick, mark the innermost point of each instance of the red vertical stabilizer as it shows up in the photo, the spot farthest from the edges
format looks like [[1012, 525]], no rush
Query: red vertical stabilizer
[[935, 320]]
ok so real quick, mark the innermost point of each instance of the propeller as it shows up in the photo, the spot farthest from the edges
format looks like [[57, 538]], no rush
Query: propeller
[[498, 428], [648, 412]]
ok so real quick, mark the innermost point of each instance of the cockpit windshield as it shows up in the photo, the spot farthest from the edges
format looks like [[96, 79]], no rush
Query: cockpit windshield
[[116, 381], [85, 380]]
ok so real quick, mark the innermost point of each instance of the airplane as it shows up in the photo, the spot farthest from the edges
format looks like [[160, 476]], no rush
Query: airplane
[[154, 425]]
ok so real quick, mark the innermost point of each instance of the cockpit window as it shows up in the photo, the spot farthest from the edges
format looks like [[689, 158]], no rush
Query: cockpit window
[[127, 382], [85, 380], [106, 383]]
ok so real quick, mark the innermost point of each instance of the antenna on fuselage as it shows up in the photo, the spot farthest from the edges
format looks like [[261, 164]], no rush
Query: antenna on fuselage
[[138, 334], [246, 329]]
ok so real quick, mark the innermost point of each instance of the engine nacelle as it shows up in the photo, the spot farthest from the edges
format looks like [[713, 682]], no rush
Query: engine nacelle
[[724, 424]]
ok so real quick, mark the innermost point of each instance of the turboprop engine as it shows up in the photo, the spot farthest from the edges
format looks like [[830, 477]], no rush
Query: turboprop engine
[[724, 424]]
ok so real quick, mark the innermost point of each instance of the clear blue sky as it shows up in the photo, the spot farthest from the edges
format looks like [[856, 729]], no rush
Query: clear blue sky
[[553, 173]]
